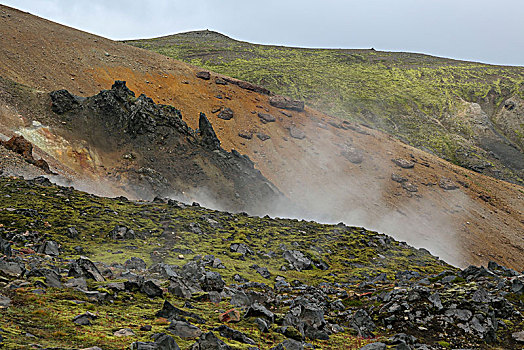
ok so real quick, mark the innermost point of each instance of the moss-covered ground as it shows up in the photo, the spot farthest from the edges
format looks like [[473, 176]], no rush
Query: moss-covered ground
[[352, 253]]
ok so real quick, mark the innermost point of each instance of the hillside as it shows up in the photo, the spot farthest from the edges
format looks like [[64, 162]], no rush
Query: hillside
[[334, 171], [469, 113], [79, 271]]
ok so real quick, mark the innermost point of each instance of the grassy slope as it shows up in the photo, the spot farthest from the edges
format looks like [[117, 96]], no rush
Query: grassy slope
[[415, 97], [351, 253]]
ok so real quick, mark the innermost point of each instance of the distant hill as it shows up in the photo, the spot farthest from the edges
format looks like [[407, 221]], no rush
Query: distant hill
[[469, 113]]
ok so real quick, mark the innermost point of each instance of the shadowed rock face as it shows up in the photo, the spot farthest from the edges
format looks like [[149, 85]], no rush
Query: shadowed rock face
[[160, 154]]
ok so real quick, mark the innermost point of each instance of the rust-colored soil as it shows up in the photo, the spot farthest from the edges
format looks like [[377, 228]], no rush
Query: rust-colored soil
[[481, 220]]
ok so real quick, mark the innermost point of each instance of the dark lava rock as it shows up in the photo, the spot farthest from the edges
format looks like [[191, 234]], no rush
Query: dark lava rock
[[408, 186], [286, 103], [226, 114], [363, 324], [83, 267], [122, 232], [263, 271], [213, 282], [229, 333], [52, 278], [352, 154], [266, 117], [171, 312], [403, 163], [308, 319], [246, 135], [135, 264], [162, 342], [62, 101], [398, 178], [298, 260], [247, 86], [184, 330], [241, 248], [263, 136], [296, 133], [374, 346], [85, 319], [72, 232], [257, 310], [207, 134], [289, 344], [209, 341], [262, 325], [151, 289], [447, 184], [5, 247], [11, 268], [203, 75], [49, 248], [5, 302]]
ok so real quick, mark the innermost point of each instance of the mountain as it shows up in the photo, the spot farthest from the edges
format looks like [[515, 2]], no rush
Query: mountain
[[332, 170], [468, 113]]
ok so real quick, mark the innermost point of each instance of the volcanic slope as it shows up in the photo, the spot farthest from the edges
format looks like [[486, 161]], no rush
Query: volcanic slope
[[469, 113], [338, 171]]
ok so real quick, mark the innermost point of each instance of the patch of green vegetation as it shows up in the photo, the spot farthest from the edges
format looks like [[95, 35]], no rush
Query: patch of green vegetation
[[415, 97]]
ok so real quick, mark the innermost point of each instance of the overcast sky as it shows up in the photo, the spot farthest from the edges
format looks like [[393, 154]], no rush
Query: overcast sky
[[490, 31]]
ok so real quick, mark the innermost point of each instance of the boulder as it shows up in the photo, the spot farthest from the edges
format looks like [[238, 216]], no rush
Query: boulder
[[266, 117], [353, 154], [85, 318], [162, 342], [151, 289], [286, 103], [298, 260], [203, 75], [296, 133], [226, 114], [289, 344], [83, 267], [122, 232], [362, 324], [213, 282], [246, 135], [11, 268], [49, 248], [447, 184], [403, 163], [229, 333], [135, 264], [258, 310], [247, 86], [263, 137], [241, 248], [184, 330], [209, 341], [307, 318], [124, 332], [398, 178], [5, 248]]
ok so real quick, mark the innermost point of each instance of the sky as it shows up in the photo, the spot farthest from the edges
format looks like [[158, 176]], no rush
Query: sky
[[474, 30]]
